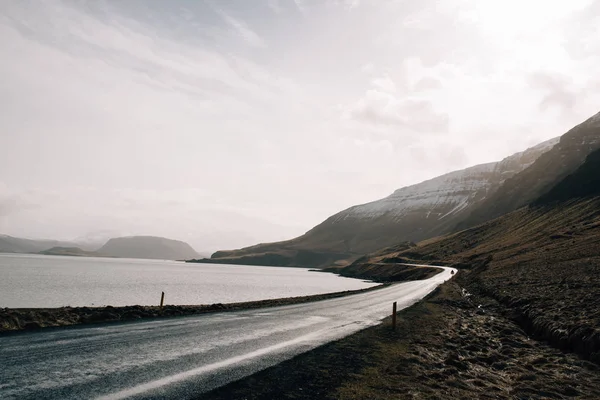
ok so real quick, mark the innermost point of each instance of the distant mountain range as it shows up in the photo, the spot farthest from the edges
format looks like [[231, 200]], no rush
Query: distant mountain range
[[150, 247], [442, 205], [9, 244]]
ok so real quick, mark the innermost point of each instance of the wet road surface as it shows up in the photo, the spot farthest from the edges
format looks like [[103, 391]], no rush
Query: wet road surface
[[186, 356]]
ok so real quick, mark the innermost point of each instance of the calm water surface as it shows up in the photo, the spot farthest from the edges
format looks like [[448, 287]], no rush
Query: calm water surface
[[54, 281]]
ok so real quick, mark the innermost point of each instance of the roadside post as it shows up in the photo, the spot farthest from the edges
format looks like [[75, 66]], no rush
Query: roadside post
[[394, 316], [162, 300]]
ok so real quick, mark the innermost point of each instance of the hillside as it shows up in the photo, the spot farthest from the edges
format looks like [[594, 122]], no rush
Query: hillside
[[546, 172], [412, 213], [585, 182], [541, 262], [150, 247]]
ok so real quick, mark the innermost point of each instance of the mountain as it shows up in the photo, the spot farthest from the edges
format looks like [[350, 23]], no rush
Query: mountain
[[551, 168], [68, 251], [427, 209], [9, 244], [412, 213], [540, 263], [584, 182], [562, 224], [150, 247], [130, 247]]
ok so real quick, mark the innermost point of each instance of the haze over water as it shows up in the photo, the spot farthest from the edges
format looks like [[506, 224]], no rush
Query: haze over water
[[53, 281]]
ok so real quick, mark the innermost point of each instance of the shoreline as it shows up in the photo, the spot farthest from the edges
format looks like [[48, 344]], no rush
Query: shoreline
[[14, 320]]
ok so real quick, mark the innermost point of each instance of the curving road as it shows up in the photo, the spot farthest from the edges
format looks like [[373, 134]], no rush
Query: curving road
[[183, 357]]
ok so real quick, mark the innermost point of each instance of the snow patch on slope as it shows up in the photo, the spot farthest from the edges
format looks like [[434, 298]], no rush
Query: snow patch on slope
[[448, 194]]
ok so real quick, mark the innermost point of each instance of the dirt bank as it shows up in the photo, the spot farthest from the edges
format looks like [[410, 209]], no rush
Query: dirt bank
[[385, 269]]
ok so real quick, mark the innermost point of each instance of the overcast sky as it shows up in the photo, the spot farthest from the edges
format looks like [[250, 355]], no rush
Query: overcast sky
[[226, 123]]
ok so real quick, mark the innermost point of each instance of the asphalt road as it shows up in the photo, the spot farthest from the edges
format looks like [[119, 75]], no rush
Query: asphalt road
[[184, 357]]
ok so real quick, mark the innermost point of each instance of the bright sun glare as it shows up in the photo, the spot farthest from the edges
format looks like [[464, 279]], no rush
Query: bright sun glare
[[524, 16]]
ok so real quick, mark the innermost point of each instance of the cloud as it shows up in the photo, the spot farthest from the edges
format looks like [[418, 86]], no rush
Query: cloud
[[346, 4], [275, 6], [556, 88], [427, 83], [381, 108], [384, 83], [12, 202], [301, 6], [582, 32], [150, 116], [9, 205], [368, 68], [242, 29], [439, 154]]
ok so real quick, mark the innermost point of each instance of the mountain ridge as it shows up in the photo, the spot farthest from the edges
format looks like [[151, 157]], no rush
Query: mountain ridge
[[541, 262], [411, 213], [11, 244], [145, 247], [551, 167]]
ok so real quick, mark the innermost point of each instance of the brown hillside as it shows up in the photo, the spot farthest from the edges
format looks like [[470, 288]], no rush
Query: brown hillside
[[545, 173], [542, 262]]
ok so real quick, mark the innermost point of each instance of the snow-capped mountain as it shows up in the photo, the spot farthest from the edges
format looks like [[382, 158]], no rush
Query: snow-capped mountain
[[453, 201], [429, 208], [449, 194], [411, 213], [552, 167]]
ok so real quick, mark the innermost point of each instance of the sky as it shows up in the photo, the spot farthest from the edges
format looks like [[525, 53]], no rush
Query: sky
[[226, 123]]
